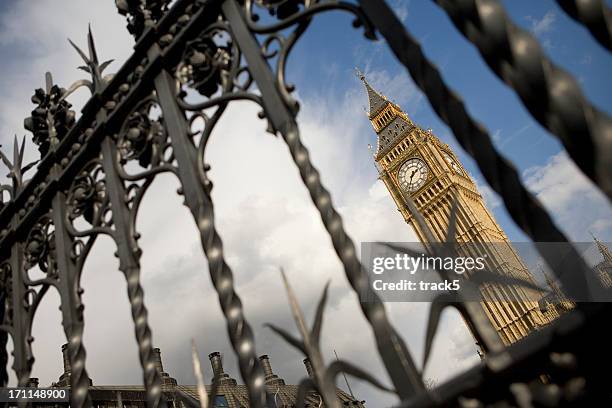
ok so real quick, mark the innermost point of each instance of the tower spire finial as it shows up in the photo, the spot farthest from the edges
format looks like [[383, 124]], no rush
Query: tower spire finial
[[360, 74]]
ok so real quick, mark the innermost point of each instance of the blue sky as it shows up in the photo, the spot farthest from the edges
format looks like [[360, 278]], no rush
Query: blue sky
[[264, 213]]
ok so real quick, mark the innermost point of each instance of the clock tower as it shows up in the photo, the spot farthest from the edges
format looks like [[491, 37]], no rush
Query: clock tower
[[413, 163]]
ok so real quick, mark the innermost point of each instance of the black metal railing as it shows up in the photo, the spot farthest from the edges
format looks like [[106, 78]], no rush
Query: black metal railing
[[190, 62]]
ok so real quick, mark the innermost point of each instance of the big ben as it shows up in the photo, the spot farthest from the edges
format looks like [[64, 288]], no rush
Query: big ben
[[413, 163]]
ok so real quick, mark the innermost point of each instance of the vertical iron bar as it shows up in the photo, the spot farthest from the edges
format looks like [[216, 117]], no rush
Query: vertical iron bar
[[22, 358], [3, 338], [201, 207], [391, 347], [129, 255], [71, 306]]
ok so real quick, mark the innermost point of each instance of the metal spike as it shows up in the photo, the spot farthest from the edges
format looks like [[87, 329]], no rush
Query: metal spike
[[5, 160], [318, 322], [105, 64], [21, 150], [93, 55], [16, 162], [298, 316], [48, 82], [343, 367], [298, 344], [81, 53], [197, 371]]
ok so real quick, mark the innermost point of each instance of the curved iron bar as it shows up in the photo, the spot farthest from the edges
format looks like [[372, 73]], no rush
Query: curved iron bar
[[73, 323], [595, 15], [303, 19], [50, 281], [307, 13], [202, 166], [125, 236], [285, 46], [500, 174], [82, 258], [237, 96], [24, 375], [552, 96]]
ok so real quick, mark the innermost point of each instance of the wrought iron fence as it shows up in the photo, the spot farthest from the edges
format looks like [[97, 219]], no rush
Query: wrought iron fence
[[140, 122]]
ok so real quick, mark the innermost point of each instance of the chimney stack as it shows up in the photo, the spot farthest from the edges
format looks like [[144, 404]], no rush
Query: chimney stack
[[217, 368], [67, 367], [157, 358], [166, 379], [308, 366], [64, 380], [270, 377]]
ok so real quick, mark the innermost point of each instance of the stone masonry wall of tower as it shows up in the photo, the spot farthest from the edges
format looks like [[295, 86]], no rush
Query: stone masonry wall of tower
[[413, 162]]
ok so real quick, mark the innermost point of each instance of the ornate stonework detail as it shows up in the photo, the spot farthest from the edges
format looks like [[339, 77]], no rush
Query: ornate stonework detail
[[389, 122]]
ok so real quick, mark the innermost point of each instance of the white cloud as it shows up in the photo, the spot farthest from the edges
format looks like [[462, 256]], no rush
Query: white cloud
[[575, 203], [490, 197], [541, 26], [400, 7], [37, 36]]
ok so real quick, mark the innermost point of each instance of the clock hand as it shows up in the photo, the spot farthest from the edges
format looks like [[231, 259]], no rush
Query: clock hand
[[412, 175]]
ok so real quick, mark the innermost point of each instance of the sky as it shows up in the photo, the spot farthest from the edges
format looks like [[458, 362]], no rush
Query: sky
[[264, 213]]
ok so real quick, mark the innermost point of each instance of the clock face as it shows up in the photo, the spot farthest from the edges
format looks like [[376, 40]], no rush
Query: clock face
[[451, 162], [413, 174]]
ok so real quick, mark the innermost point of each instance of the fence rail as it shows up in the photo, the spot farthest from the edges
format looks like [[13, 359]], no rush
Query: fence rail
[[190, 62]]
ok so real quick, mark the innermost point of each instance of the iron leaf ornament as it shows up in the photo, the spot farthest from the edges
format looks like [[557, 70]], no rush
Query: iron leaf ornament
[[204, 62], [141, 13], [52, 118]]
